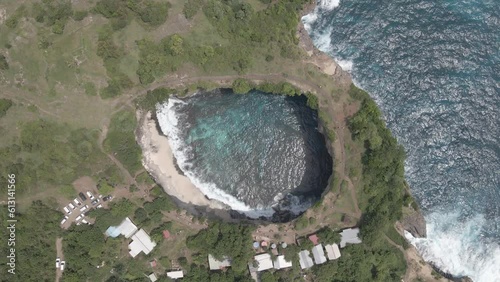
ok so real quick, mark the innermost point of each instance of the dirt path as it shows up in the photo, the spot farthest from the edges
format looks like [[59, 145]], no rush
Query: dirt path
[[59, 250], [129, 178]]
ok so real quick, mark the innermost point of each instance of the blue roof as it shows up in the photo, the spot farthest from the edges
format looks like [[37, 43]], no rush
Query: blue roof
[[113, 231]]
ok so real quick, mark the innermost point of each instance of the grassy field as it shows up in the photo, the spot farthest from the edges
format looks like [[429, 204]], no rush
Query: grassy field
[[60, 78]]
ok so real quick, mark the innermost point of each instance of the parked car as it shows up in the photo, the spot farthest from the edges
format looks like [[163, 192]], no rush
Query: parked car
[[94, 202], [90, 195], [58, 262], [84, 221], [78, 217], [82, 196], [108, 197], [63, 263], [63, 221], [78, 203], [82, 209], [99, 206], [71, 206], [67, 210]]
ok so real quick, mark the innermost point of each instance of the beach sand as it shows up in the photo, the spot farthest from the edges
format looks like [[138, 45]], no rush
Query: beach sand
[[159, 162]]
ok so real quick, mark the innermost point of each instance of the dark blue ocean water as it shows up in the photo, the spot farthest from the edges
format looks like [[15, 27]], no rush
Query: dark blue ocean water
[[434, 69], [249, 151]]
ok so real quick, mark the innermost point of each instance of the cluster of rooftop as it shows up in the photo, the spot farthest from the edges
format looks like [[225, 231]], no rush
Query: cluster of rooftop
[[141, 242]]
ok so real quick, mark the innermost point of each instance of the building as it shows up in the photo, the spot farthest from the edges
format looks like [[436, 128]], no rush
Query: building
[[314, 239], [141, 242], [349, 236], [152, 277], [264, 262], [281, 263], [216, 264], [126, 228], [175, 274], [319, 254], [305, 260], [332, 251]]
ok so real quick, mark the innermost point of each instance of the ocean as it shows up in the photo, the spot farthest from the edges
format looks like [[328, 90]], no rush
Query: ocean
[[433, 67], [255, 152]]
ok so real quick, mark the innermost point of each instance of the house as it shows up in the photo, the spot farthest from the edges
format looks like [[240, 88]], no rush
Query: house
[[166, 234], [152, 277], [281, 263], [216, 264], [319, 254], [141, 242], [175, 274], [126, 228], [349, 236], [314, 239], [305, 260], [264, 262], [332, 251]]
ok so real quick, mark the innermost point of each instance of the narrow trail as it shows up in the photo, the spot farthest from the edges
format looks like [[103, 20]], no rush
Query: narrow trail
[[59, 251], [104, 132]]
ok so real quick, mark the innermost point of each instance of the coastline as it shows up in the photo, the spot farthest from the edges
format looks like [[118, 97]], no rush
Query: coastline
[[159, 161]]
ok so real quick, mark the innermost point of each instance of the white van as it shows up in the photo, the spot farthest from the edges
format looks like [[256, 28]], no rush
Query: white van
[[90, 195], [71, 206], [77, 202], [67, 210], [79, 217], [63, 221], [84, 221], [82, 209]]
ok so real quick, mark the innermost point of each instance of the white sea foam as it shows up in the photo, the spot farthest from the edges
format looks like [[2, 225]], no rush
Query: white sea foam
[[346, 65], [458, 247], [328, 4], [168, 120]]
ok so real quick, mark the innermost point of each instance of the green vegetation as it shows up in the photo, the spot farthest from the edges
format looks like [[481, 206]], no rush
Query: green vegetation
[[219, 239], [120, 141], [49, 154], [36, 231], [54, 14], [383, 168], [241, 86], [5, 105], [4, 65], [191, 8], [149, 101]]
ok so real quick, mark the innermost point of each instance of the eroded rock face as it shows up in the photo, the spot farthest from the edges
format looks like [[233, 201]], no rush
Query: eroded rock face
[[415, 224]]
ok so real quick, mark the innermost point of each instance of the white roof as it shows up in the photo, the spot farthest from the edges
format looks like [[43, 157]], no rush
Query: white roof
[[217, 264], [280, 262], [264, 261], [349, 236], [127, 228], [175, 274], [332, 251], [305, 260], [141, 243], [319, 254], [152, 277]]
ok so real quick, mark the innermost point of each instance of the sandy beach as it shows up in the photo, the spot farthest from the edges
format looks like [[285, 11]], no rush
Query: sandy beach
[[159, 162]]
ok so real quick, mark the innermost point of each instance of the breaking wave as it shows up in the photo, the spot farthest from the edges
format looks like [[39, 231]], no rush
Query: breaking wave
[[239, 150], [433, 67]]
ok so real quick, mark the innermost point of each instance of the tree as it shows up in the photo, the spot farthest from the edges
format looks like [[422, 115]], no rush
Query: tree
[[241, 86], [4, 65], [5, 105], [140, 215]]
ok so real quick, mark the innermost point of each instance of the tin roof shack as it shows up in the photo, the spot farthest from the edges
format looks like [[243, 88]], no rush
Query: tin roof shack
[[319, 254], [126, 228], [141, 242], [305, 260], [349, 236], [281, 263], [264, 262], [332, 251], [216, 264], [175, 274]]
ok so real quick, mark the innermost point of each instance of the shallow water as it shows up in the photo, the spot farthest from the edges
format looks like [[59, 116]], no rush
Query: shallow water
[[433, 67], [252, 152]]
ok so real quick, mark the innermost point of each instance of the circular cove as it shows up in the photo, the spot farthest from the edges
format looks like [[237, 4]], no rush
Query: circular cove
[[257, 153]]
